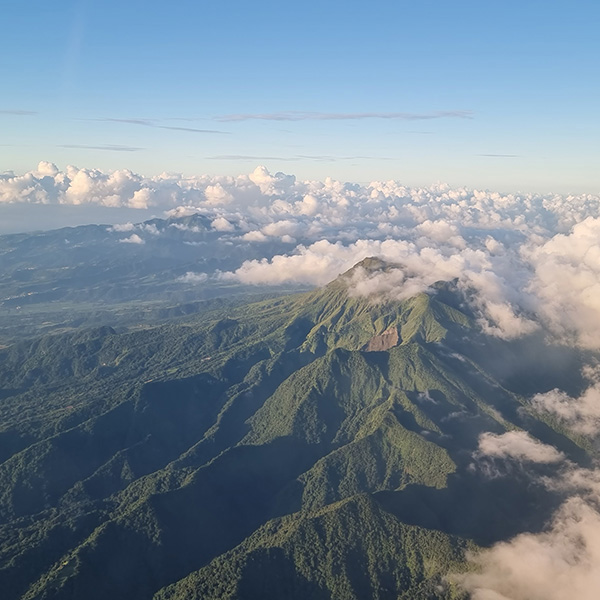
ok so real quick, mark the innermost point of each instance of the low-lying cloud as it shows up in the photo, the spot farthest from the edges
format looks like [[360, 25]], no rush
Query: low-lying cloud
[[561, 562], [191, 277], [134, 238], [567, 279], [581, 414], [519, 446]]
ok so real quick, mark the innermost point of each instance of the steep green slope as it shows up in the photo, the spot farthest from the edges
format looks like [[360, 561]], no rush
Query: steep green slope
[[383, 456], [340, 320], [150, 541], [331, 399]]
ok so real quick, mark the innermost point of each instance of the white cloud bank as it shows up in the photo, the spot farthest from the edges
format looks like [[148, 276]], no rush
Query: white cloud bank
[[529, 259], [567, 279], [559, 563], [134, 238], [581, 414], [191, 277]]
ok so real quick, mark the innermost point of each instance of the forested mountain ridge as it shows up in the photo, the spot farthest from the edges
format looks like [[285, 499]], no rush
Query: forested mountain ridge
[[322, 442]]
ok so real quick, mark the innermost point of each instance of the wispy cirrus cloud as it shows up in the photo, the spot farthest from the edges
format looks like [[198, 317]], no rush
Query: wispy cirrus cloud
[[155, 123], [107, 147], [18, 112], [190, 129], [250, 157], [330, 158], [322, 116], [296, 158]]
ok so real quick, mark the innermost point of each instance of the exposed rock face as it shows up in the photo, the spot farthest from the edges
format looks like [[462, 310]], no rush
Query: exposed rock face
[[388, 339]]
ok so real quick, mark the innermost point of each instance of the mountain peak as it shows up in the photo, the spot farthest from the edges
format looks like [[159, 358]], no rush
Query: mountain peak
[[370, 265], [335, 316], [445, 291]]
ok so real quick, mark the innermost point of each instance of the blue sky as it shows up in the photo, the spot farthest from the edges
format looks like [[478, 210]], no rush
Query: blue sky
[[501, 95]]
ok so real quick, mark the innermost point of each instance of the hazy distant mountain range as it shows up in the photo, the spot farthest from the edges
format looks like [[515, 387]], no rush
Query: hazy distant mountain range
[[69, 277], [157, 259]]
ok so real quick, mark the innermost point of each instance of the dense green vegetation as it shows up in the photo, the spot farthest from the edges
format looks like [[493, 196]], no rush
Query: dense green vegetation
[[301, 557], [264, 450]]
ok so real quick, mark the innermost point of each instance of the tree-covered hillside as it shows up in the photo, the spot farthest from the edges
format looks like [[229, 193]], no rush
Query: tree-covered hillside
[[318, 445]]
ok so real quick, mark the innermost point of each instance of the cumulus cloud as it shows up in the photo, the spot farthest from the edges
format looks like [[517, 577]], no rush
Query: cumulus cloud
[[441, 231], [217, 194], [567, 280], [141, 227], [581, 414], [281, 228], [133, 239], [518, 446], [181, 211], [150, 228], [46, 169], [191, 277], [120, 227], [271, 184], [254, 236], [561, 563], [417, 269], [222, 224]]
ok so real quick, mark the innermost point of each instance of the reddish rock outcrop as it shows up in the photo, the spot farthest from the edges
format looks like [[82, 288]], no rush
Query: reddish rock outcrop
[[388, 339]]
